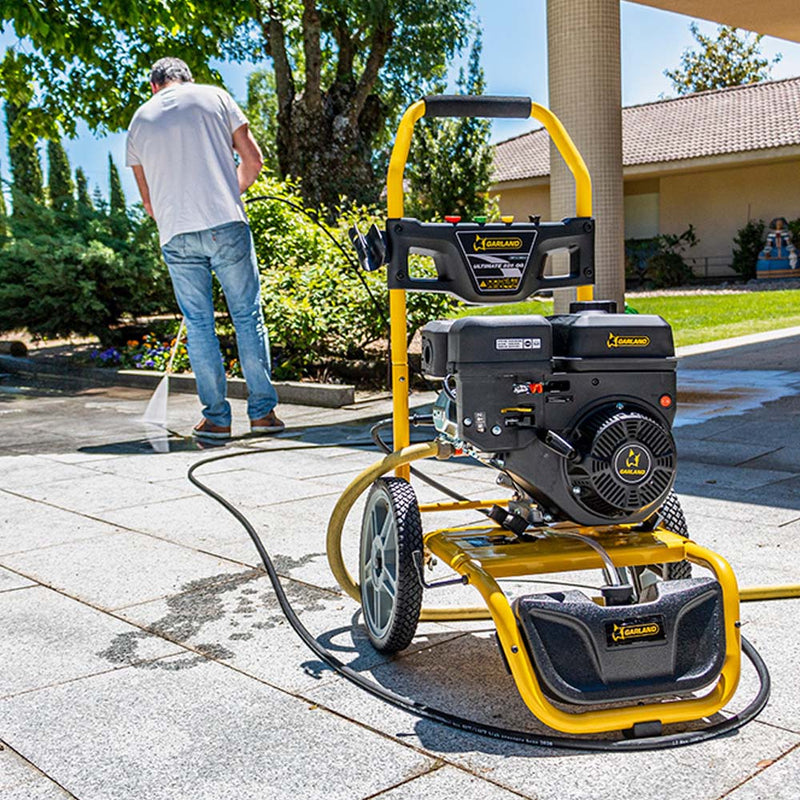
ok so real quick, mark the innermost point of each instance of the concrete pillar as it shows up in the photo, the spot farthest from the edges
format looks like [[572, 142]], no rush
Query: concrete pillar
[[583, 48]]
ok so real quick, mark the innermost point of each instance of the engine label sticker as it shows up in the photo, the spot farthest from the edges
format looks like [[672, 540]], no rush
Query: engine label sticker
[[518, 344], [497, 262], [632, 463], [647, 629], [615, 340]]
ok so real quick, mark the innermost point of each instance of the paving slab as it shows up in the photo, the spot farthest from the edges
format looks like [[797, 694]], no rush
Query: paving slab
[[778, 779], [240, 622], [10, 581], [30, 525], [449, 782], [20, 780], [206, 732], [118, 569], [65, 639], [92, 492], [461, 676]]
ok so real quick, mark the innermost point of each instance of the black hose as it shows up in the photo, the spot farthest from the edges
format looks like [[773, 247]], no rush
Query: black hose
[[454, 721]]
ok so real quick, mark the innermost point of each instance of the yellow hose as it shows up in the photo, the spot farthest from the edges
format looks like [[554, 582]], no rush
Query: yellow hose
[[752, 593], [342, 509], [413, 453]]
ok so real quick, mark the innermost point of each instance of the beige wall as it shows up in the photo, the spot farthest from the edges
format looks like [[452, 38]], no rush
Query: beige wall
[[522, 202], [718, 203]]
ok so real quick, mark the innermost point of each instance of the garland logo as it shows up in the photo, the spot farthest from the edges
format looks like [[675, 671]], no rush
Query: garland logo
[[632, 463], [648, 629], [624, 633], [614, 340], [484, 243]]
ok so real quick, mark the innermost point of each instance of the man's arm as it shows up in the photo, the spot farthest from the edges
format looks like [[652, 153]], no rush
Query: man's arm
[[144, 189], [250, 156]]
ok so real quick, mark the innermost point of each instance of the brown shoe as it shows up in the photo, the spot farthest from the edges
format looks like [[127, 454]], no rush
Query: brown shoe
[[268, 424], [205, 429]]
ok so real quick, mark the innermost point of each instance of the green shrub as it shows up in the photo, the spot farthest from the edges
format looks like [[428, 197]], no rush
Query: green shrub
[[747, 244], [315, 303], [68, 274], [658, 262]]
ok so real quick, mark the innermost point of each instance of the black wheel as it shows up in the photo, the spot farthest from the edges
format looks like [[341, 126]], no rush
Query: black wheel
[[673, 519], [391, 594]]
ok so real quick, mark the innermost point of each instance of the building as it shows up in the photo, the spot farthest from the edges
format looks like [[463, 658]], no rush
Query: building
[[713, 160]]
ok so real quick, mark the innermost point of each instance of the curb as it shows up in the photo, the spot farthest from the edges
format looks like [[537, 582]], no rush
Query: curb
[[325, 395], [736, 341]]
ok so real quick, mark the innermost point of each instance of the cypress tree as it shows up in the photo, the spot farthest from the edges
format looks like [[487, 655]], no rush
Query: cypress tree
[[3, 216], [26, 170], [59, 179], [116, 195], [84, 198]]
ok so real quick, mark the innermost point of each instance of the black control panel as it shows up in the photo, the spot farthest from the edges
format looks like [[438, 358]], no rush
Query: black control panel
[[489, 262]]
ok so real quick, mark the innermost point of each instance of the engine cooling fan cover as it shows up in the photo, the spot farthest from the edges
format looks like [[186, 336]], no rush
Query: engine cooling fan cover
[[627, 464]]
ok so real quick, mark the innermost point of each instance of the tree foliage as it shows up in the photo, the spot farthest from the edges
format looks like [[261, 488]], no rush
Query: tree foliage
[[341, 69], [82, 191], [730, 59], [60, 188], [451, 159], [26, 170]]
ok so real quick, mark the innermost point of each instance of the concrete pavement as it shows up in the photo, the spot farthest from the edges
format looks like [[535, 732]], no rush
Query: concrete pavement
[[143, 655]]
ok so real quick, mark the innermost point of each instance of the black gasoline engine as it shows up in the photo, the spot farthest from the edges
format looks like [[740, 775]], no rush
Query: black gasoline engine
[[576, 409]]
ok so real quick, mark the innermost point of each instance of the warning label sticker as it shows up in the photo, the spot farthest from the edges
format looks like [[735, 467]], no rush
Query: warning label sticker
[[497, 261], [518, 344]]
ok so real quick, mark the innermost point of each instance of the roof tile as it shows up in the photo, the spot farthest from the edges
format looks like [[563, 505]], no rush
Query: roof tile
[[741, 118]]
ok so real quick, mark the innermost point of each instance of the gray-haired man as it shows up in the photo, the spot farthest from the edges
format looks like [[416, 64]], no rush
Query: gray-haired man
[[181, 145]]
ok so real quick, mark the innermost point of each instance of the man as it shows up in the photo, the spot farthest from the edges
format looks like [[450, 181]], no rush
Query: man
[[181, 145]]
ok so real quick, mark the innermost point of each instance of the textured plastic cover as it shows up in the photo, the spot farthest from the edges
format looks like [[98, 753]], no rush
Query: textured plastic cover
[[586, 653], [600, 335], [499, 340], [460, 105]]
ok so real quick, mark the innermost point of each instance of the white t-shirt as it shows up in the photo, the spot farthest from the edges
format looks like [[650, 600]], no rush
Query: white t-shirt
[[183, 139]]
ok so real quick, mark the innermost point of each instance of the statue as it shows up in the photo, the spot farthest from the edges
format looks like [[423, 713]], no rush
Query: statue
[[778, 258]]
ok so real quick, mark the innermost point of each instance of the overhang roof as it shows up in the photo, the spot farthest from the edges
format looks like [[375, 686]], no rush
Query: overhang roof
[[739, 119], [776, 18]]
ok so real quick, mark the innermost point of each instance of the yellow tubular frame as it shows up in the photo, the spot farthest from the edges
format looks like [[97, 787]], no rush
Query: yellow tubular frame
[[397, 297], [482, 567]]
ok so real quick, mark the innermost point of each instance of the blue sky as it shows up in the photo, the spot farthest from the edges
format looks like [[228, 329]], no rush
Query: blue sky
[[514, 60]]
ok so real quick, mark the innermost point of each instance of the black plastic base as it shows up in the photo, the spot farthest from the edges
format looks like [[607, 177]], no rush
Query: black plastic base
[[587, 653]]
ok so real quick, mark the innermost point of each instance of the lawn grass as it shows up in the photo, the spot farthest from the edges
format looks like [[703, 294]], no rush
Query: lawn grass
[[696, 318]]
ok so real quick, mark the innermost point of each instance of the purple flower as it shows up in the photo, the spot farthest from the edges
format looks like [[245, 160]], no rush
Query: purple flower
[[150, 363]]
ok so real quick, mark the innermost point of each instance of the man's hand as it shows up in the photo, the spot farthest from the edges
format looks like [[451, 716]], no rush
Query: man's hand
[[250, 154]]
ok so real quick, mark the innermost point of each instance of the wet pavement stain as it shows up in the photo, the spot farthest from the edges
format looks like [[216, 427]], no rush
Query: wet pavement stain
[[209, 600]]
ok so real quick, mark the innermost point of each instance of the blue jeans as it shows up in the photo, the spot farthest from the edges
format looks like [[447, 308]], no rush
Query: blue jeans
[[228, 251]]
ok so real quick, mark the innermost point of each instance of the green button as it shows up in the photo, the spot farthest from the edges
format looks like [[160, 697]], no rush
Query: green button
[[480, 220]]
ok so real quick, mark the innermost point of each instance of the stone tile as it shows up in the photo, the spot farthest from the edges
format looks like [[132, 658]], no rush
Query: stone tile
[[770, 626], [119, 569], [58, 639], [465, 676], [240, 621], [729, 454], [205, 732], [10, 581], [446, 783], [693, 477], [702, 506], [774, 782], [93, 493], [17, 472], [20, 780], [30, 525]]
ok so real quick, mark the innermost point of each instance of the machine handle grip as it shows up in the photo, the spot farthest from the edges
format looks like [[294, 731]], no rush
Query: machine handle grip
[[465, 105]]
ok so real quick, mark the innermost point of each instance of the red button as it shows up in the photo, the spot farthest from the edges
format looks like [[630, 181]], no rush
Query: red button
[[665, 400], [452, 219]]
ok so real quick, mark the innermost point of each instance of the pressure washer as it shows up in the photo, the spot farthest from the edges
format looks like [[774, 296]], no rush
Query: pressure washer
[[573, 414]]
